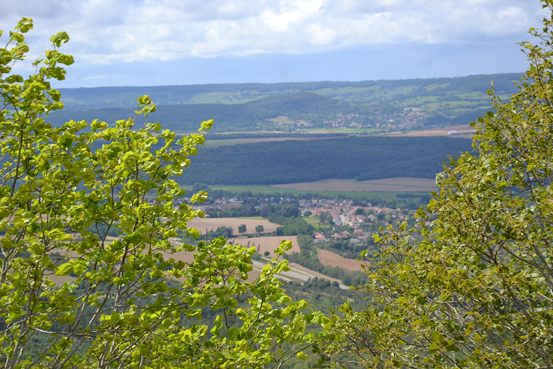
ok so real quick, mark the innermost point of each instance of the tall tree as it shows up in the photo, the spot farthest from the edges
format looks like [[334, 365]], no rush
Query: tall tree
[[127, 302], [477, 290]]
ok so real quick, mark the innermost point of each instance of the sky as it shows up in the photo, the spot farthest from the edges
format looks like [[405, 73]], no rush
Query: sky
[[177, 42]]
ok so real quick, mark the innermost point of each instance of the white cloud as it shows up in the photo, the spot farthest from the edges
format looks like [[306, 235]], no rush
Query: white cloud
[[107, 31]]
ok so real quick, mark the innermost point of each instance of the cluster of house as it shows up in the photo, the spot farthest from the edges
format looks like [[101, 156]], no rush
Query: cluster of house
[[345, 213], [341, 119], [405, 120]]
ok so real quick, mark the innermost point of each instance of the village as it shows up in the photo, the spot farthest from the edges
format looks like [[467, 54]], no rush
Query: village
[[331, 219]]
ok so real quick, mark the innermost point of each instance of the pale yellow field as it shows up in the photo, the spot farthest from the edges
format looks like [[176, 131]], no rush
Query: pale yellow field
[[400, 184], [214, 223], [263, 244], [328, 258], [463, 131]]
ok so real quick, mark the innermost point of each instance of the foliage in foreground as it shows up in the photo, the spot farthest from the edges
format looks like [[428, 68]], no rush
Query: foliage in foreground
[[477, 291], [121, 304]]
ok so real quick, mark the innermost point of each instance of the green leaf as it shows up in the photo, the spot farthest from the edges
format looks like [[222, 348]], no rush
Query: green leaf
[[59, 38], [144, 100]]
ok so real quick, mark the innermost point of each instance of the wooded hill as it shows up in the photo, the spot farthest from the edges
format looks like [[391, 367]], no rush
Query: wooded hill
[[363, 158], [359, 92], [248, 107], [238, 117]]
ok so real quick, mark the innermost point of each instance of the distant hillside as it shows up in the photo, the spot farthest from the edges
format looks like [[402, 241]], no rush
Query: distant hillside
[[239, 117], [307, 103], [377, 105], [363, 158], [363, 91]]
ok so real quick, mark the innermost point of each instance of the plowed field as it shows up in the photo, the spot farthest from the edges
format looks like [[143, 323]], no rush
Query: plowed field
[[263, 244], [335, 260]]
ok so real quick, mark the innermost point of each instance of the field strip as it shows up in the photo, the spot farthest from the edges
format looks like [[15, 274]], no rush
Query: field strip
[[268, 244], [328, 258], [400, 184]]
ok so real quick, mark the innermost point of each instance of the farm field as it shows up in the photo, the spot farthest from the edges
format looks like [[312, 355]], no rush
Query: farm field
[[400, 184], [271, 190], [359, 131], [214, 223], [328, 258], [237, 141], [463, 131], [269, 244]]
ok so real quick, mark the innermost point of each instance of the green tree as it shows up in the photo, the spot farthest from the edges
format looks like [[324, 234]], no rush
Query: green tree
[[242, 228], [477, 290], [259, 229], [120, 305]]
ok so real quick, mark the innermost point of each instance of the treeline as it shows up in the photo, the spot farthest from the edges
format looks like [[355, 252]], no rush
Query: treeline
[[308, 258], [287, 215], [348, 250], [464, 118], [363, 158]]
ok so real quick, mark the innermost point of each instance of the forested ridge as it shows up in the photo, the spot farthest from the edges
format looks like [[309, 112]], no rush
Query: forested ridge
[[239, 108], [238, 117], [98, 97], [363, 158]]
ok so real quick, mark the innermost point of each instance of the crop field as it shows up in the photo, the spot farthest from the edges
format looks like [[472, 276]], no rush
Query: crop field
[[463, 131], [340, 130], [401, 184], [238, 141], [214, 223], [272, 190], [263, 244], [328, 258]]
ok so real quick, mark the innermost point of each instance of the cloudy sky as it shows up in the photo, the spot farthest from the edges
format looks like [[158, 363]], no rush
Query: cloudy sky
[[168, 42]]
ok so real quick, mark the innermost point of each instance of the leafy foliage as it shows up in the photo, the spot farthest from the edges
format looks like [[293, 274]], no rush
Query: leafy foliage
[[128, 302], [476, 291]]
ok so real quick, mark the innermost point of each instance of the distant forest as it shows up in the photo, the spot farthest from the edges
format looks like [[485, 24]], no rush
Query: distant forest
[[363, 158]]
